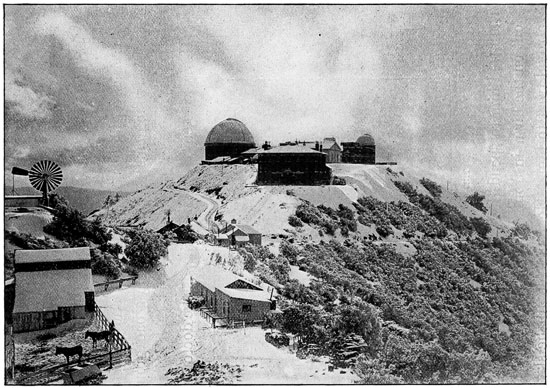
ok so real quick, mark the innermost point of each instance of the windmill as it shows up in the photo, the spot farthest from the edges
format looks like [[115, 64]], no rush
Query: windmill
[[45, 176]]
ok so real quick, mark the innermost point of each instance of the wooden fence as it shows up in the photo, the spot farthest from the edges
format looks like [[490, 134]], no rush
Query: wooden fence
[[120, 353], [104, 286], [9, 355]]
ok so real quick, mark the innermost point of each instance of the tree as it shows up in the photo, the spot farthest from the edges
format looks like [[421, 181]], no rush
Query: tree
[[476, 200], [145, 248]]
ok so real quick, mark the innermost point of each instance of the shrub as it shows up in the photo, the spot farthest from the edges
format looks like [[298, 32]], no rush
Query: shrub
[[384, 230], [104, 264], [339, 181], [289, 251], [476, 200], [308, 213], [481, 226], [405, 187], [431, 186], [295, 221]]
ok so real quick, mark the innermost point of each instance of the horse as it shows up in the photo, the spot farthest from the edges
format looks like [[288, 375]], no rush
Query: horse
[[69, 351], [98, 336]]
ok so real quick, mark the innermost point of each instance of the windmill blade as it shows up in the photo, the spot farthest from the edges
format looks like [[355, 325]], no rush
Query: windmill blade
[[19, 171], [45, 175]]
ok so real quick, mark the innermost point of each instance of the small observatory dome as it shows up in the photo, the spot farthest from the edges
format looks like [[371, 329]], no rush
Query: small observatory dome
[[366, 140], [230, 131]]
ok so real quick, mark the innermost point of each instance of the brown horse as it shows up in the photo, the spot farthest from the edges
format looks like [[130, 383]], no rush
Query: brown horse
[[69, 351], [98, 336]]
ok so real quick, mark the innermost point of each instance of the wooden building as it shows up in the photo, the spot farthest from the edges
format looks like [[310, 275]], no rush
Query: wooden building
[[292, 165], [363, 151], [229, 297], [229, 138], [52, 286], [22, 200], [240, 235], [330, 147]]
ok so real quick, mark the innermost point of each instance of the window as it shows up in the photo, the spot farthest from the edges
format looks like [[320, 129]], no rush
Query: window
[[247, 308]]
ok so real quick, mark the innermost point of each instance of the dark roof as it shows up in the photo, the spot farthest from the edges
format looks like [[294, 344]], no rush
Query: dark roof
[[290, 149], [230, 131]]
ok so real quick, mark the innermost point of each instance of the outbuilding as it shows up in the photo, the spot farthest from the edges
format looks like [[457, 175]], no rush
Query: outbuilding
[[241, 235], [52, 286], [229, 297]]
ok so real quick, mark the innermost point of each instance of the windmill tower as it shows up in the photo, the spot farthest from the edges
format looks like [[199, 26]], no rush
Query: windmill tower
[[44, 176]]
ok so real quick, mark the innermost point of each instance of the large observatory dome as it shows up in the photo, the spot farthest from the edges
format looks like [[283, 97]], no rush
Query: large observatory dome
[[228, 138], [366, 140], [230, 131]]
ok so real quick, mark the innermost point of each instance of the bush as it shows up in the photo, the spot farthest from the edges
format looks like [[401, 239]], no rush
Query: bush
[[476, 200], [195, 302], [431, 186], [295, 221], [249, 263], [308, 213], [289, 251], [481, 226], [145, 248], [339, 181], [104, 264], [384, 230]]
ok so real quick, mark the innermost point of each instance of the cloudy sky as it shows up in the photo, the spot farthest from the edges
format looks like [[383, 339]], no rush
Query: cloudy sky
[[121, 96]]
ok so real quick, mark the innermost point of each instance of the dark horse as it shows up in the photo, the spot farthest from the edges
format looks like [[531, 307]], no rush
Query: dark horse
[[67, 352], [98, 336]]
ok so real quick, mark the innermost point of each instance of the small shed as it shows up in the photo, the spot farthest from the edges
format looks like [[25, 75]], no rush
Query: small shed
[[52, 286]]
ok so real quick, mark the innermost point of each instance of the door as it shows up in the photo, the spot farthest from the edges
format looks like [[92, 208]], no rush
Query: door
[[90, 301]]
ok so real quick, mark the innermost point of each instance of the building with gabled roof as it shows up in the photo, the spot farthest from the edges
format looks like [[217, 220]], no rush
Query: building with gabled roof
[[240, 235], [52, 286], [330, 147], [230, 297]]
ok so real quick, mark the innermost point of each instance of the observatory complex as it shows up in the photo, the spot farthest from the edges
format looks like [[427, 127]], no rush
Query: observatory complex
[[290, 163]]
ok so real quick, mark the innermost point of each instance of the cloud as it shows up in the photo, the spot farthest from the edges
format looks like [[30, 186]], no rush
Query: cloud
[[286, 79], [26, 102], [150, 122]]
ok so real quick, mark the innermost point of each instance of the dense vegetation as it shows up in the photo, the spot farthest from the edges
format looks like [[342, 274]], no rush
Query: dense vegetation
[[145, 248], [447, 214], [456, 311]]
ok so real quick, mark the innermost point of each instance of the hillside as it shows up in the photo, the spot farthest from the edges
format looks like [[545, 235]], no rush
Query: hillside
[[230, 190], [390, 262], [84, 200]]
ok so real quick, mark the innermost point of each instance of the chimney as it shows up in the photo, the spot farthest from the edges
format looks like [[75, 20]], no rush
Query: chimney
[[316, 146], [233, 221]]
